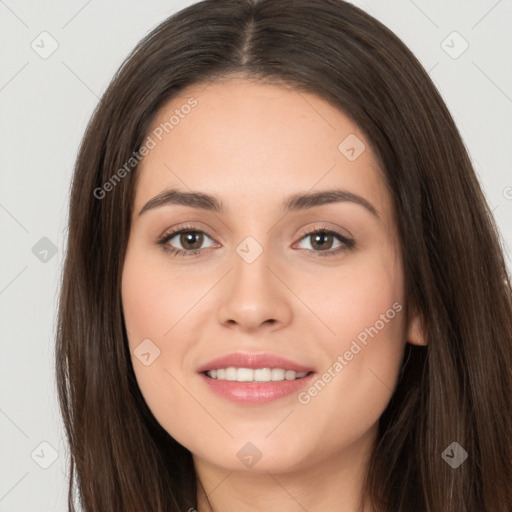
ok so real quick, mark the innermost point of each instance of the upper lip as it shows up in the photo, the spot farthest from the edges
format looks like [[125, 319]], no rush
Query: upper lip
[[245, 360]]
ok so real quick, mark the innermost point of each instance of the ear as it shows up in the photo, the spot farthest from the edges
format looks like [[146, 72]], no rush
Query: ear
[[416, 334]]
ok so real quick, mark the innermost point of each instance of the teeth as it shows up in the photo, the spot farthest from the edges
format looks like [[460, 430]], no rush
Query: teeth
[[277, 373], [256, 375], [230, 373]]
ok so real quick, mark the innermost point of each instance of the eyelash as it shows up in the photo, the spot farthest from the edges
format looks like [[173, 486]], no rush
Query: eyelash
[[348, 243]]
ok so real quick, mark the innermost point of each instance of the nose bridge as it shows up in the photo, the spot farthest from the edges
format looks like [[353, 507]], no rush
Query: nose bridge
[[255, 294], [251, 272], [251, 263]]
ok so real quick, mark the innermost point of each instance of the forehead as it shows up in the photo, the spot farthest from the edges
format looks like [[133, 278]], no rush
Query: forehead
[[239, 138]]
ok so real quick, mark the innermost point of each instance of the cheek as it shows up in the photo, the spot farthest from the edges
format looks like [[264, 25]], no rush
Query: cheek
[[162, 308], [153, 304], [154, 300], [365, 310], [364, 301]]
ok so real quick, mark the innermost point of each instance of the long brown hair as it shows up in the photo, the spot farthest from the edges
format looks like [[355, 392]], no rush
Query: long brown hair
[[457, 389]]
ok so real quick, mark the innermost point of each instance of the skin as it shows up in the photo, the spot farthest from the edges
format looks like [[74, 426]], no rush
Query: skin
[[252, 145]]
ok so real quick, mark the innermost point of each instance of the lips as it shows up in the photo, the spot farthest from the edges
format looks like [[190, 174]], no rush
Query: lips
[[258, 391], [246, 360]]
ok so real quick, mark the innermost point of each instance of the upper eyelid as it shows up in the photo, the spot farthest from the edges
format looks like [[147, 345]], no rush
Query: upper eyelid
[[184, 229]]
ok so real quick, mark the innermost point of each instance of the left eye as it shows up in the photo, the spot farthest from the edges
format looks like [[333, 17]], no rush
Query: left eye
[[324, 240]]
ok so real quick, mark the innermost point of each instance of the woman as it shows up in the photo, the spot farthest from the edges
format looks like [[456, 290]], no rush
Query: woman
[[283, 289]]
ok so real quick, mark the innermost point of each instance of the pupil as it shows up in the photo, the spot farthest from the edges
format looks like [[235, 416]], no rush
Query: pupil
[[321, 237], [192, 238]]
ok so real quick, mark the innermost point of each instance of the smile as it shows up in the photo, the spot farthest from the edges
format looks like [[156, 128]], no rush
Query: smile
[[254, 375]]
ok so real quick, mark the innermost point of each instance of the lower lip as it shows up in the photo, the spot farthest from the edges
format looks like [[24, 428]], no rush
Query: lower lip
[[255, 392]]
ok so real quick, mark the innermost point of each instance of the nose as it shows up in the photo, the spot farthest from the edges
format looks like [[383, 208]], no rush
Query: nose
[[254, 296]]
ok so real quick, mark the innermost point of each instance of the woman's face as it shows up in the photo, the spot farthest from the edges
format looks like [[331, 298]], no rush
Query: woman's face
[[283, 269]]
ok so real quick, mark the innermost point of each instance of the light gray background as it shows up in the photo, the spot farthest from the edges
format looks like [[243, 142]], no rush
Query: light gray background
[[45, 104]]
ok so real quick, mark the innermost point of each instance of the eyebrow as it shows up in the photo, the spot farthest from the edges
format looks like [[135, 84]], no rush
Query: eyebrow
[[295, 202]]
